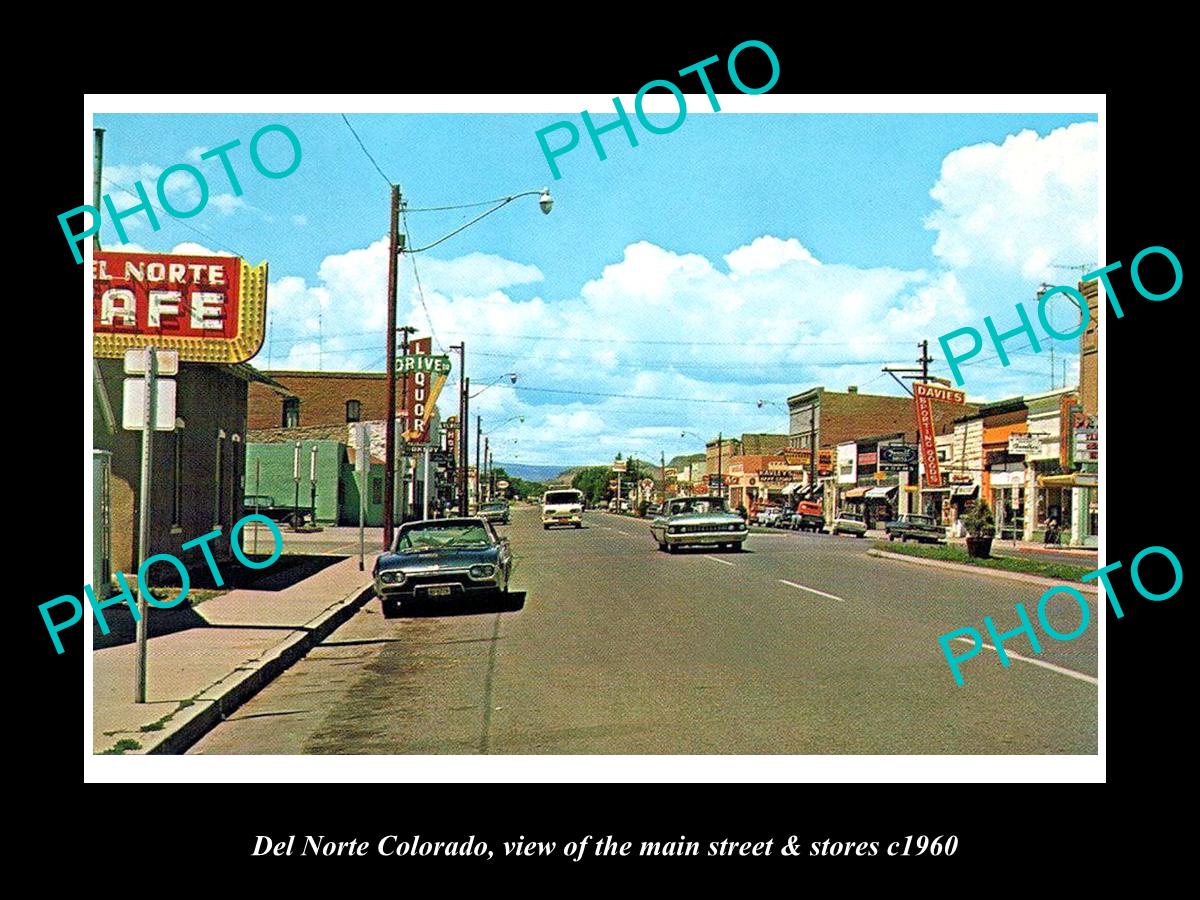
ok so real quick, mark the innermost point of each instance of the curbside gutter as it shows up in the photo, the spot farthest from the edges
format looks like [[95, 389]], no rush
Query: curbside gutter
[[982, 570], [218, 700]]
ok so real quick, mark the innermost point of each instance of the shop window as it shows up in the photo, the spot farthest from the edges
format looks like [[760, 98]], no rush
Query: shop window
[[353, 410], [219, 478], [376, 491], [291, 413]]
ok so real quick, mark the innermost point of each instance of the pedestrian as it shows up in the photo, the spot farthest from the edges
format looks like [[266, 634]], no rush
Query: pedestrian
[[1051, 531]]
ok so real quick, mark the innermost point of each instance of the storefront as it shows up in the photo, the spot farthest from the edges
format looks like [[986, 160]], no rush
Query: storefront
[[1008, 500], [1081, 525], [880, 505]]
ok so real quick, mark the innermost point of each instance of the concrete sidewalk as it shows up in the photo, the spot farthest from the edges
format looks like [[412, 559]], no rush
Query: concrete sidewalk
[[226, 649]]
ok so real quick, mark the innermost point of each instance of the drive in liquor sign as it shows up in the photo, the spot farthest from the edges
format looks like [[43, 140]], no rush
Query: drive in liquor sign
[[207, 308], [924, 396]]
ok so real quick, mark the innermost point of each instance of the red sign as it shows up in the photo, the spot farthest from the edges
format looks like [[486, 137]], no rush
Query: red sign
[[923, 397], [208, 308], [415, 387]]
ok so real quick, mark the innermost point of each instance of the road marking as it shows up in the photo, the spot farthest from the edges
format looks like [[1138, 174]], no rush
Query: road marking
[[723, 562], [811, 590], [1037, 662]]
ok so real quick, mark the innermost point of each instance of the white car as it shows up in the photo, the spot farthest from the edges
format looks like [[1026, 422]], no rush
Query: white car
[[562, 507]]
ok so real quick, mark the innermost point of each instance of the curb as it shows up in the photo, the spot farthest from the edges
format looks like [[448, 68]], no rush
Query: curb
[[217, 701], [982, 570]]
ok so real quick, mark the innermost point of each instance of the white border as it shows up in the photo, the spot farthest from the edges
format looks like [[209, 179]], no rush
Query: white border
[[640, 769]]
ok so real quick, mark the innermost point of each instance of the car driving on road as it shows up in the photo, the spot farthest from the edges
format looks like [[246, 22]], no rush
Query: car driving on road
[[704, 521], [495, 512], [916, 528], [849, 523], [562, 507], [443, 561]]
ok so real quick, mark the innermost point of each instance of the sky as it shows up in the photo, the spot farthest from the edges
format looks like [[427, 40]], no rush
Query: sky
[[681, 287]]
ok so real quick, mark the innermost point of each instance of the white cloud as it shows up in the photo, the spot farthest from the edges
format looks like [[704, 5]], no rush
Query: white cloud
[[655, 324], [1020, 206], [299, 221], [475, 273]]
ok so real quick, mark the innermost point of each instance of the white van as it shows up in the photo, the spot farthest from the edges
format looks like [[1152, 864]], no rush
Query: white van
[[562, 506]]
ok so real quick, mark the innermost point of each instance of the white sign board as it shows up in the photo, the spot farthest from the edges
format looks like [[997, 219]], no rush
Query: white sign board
[[619, 465], [1024, 444], [133, 404], [135, 361]]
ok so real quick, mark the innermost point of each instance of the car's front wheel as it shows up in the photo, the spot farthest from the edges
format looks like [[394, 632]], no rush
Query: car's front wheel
[[391, 608]]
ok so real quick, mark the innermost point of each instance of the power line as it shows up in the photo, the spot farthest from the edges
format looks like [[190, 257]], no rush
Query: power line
[[420, 292], [459, 206], [386, 180]]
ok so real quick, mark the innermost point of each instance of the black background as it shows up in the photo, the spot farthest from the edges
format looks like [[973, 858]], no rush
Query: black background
[[170, 834]]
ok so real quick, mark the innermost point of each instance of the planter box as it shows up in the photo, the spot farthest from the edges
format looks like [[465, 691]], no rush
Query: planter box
[[980, 548]]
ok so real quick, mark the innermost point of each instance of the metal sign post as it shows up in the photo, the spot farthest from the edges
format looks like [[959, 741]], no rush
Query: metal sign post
[[364, 472], [312, 482], [144, 504], [425, 486], [296, 478]]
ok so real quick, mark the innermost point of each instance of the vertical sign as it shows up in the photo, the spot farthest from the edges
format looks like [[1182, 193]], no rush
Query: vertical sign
[[923, 397], [416, 392]]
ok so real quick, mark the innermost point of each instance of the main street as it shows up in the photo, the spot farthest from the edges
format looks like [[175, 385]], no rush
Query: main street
[[800, 644]]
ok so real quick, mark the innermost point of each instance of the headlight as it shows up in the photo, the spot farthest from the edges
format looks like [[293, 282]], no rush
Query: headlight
[[392, 577], [485, 571], [673, 529]]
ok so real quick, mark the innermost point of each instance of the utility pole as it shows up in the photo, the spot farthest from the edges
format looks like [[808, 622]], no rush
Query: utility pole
[[662, 474], [389, 451], [812, 447], [478, 444], [720, 480], [402, 475], [98, 163], [464, 429], [463, 384], [487, 464]]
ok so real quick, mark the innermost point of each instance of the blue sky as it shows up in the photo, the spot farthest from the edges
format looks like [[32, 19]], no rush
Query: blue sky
[[741, 257]]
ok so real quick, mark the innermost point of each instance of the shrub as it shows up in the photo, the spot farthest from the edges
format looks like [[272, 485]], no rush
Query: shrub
[[979, 521]]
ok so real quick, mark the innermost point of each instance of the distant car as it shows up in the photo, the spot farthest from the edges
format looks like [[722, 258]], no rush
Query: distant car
[[767, 515], [705, 521], [849, 523], [495, 512], [916, 528], [562, 507], [265, 504], [808, 516], [614, 507], [442, 560]]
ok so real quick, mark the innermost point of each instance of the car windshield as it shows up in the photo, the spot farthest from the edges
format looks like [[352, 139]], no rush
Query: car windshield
[[434, 536], [557, 497], [494, 506], [853, 517], [696, 505]]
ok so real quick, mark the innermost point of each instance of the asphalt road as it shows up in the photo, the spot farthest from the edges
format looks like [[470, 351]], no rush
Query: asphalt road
[[800, 644]]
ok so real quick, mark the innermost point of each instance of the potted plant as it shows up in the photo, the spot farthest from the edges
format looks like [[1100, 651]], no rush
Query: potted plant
[[981, 528]]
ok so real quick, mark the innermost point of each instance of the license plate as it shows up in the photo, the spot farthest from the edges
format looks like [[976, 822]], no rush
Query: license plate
[[439, 592]]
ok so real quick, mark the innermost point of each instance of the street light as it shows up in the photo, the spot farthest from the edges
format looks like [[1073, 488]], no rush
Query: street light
[[511, 376], [397, 246]]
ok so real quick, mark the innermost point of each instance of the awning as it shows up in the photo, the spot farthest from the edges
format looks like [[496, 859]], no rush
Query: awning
[[929, 490], [791, 488], [815, 492], [1073, 479], [881, 493], [964, 493], [856, 493]]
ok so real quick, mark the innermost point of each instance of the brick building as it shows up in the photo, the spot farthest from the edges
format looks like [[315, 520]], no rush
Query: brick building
[[834, 417], [199, 468], [319, 398]]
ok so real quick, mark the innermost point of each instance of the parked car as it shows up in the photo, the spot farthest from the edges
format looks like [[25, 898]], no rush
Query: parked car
[[915, 527], [442, 560], [614, 506], [563, 506], [265, 504], [808, 516], [767, 516], [704, 521], [849, 523], [495, 512]]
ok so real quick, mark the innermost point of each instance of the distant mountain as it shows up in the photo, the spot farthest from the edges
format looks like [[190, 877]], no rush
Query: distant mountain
[[530, 472], [678, 462]]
